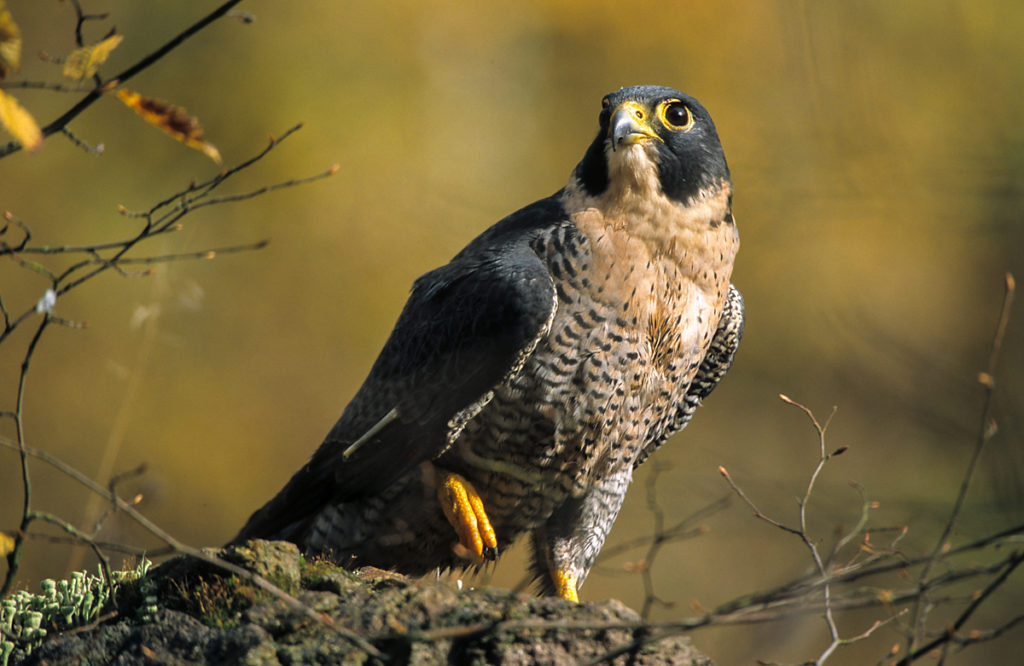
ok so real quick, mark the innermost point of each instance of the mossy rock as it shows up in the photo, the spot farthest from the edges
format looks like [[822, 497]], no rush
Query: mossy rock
[[205, 616]]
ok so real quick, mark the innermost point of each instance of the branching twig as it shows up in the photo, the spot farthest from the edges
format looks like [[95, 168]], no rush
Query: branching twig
[[59, 123], [92, 261], [659, 538], [96, 259], [760, 515], [160, 218], [944, 639], [986, 429], [92, 150], [180, 547], [684, 529], [827, 576], [14, 556]]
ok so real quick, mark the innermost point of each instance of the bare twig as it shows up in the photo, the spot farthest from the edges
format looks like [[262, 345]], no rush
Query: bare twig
[[659, 538], [992, 634], [44, 85], [93, 260], [947, 636], [160, 218], [684, 529], [826, 576], [59, 123], [92, 150], [108, 546], [14, 556], [760, 515], [986, 429], [81, 18], [181, 547], [81, 537]]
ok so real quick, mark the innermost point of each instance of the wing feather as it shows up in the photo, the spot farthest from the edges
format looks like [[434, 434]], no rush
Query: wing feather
[[467, 327]]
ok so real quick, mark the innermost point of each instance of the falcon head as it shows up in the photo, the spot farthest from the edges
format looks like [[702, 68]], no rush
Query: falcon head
[[652, 136]]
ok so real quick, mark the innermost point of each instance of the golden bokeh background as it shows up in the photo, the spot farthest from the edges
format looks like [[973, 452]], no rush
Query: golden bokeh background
[[877, 152]]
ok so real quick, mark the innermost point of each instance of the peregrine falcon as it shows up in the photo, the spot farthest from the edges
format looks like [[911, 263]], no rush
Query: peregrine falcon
[[527, 378]]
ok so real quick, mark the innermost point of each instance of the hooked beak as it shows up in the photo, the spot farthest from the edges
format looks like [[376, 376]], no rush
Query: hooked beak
[[629, 125]]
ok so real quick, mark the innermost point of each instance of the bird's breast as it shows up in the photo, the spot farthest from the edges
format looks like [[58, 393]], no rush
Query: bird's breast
[[632, 324], [638, 303]]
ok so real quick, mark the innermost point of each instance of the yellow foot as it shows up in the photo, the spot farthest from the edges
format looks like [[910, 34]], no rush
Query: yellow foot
[[465, 511], [565, 582]]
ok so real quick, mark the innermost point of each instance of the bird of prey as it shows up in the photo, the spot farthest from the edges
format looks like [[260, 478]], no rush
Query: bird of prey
[[526, 379]]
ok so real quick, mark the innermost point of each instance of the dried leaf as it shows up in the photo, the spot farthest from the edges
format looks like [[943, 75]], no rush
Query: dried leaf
[[173, 120], [83, 62], [6, 544], [19, 122], [10, 42]]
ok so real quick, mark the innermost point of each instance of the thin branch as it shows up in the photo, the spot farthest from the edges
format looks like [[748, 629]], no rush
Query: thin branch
[[684, 529], [986, 430], [75, 533], [27, 234], [110, 546], [760, 515], [14, 556], [96, 262], [826, 587], [92, 150], [185, 549], [87, 101], [265, 189], [946, 636], [807, 585], [212, 253], [858, 528], [826, 577], [205, 187], [991, 634], [82, 17], [44, 85], [660, 538]]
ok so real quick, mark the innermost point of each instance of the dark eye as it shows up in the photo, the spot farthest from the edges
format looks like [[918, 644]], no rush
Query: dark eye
[[676, 115]]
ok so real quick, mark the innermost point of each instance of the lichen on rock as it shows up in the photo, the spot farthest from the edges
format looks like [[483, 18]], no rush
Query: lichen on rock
[[206, 616]]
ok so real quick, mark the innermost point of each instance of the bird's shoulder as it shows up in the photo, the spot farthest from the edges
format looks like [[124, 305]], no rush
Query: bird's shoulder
[[466, 328], [513, 232]]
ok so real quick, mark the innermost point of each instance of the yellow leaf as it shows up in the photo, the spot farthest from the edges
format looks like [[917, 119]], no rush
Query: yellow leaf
[[10, 42], [82, 62], [6, 544], [171, 119], [19, 122]]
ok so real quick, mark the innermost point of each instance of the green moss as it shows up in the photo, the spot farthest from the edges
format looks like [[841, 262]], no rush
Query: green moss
[[217, 601], [318, 573], [26, 618]]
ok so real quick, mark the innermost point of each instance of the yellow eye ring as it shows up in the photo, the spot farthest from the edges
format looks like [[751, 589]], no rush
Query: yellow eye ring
[[675, 115]]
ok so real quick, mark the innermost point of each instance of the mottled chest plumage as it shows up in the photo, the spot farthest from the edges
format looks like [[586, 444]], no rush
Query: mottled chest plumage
[[638, 304]]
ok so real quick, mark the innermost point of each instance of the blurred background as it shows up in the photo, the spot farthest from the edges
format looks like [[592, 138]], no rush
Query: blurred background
[[877, 153]]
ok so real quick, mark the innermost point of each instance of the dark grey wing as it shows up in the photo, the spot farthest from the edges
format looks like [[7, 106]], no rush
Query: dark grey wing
[[466, 328], [712, 369]]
